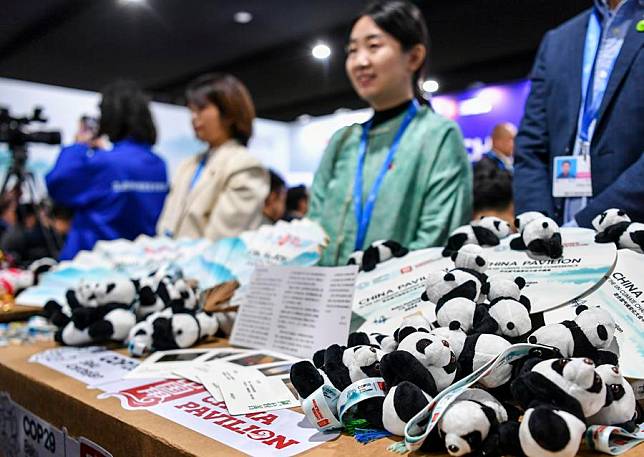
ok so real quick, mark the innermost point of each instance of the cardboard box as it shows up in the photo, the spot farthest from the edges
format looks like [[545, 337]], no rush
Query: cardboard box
[[66, 403]]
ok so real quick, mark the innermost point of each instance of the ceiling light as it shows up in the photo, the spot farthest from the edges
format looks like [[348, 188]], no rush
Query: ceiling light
[[430, 86], [243, 17], [131, 2], [321, 51]]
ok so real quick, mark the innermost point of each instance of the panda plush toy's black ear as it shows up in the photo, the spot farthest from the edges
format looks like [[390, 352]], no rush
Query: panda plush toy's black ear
[[358, 339], [580, 309], [318, 358], [305, 378], [520, 282]]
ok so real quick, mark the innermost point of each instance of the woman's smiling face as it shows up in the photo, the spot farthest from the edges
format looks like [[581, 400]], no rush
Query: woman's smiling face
[[380, 71]]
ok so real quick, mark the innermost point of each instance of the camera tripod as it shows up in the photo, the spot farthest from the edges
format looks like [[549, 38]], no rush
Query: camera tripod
[[21, 180]]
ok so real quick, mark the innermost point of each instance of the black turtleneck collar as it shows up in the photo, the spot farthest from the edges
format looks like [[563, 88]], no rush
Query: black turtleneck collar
[[380, 117]]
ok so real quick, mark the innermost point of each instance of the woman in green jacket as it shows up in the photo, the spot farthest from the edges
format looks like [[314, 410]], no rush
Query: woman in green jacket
[[404, 175]]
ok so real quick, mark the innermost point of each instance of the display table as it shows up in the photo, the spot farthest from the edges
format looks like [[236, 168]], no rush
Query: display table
[[19, 313], [65, 402]]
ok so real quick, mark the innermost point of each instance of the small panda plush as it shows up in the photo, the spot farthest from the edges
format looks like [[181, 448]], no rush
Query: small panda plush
[[540, 236], [572, 385], [377, 252], [114, 325], [385, 343], [497, 287], [523, 219], [167, 330], [485, 232], [402, 403], [470, 257], [362, 361], [477, 350], [470, 421], [434, 354], [512, 317], [460, 313], [622, 411], [614, 226], [590, 334], [441, 286]]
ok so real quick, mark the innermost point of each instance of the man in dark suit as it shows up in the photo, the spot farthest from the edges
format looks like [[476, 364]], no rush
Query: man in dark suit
[[554, 123], [500, 156]]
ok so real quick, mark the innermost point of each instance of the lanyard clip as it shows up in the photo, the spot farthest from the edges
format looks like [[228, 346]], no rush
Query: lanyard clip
[[584, 148]]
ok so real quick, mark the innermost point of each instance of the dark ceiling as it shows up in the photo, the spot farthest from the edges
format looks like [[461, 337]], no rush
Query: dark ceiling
[[163, 44]]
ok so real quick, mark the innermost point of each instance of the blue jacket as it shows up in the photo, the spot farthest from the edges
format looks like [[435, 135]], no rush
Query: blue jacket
[[549, 125], [114, 194]]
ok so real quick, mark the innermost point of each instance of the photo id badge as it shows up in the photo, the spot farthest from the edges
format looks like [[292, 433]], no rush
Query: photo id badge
[[571, 177]]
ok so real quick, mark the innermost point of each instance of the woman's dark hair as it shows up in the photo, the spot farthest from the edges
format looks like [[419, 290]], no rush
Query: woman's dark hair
[[232, 99], [403, 21], [125, 113]]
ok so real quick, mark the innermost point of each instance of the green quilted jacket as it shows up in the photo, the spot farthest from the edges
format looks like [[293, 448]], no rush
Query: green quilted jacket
[[426, 193]]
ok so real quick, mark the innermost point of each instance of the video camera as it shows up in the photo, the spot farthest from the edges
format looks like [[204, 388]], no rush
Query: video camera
[[12, 129]]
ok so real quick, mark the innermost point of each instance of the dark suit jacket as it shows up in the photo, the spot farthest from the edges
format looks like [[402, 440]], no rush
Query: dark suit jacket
[[549, 125]]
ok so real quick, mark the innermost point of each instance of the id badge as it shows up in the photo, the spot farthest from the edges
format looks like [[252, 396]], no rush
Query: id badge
[[571, 176]]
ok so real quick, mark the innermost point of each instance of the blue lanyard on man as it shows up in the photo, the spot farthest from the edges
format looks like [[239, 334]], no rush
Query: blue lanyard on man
[[591, 102], [363, 214]]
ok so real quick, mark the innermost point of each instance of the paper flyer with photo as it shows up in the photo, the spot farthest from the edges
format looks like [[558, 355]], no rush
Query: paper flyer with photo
[[162, 364], [295, 310], [622, 295], [392, 291]]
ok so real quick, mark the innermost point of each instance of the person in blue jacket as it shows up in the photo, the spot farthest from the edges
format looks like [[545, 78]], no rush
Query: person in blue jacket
[[118, 192], [586, 101]]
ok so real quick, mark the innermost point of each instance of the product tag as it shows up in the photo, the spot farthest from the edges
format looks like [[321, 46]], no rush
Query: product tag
[[320, 408]]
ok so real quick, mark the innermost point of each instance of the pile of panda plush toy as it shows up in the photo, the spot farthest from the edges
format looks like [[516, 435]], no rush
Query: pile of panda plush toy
[[539, 405], [160, 311]]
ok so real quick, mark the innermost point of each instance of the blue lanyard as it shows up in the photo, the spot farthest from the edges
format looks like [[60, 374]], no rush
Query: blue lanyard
[[591, 104], [198, 171], [363, 215]]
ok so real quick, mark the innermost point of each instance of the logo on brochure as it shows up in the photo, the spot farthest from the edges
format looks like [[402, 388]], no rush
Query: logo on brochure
[[156, 393], [406, 269]]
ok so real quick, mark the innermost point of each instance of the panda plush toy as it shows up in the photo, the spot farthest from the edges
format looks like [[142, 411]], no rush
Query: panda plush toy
[[622, 411], [377, 252], [591, 334], [166, 330], [558, 395], [487, 231], [363, 361], [512, 318], [461, 313], [540, 237], [614, 226], [470, 423], [95, 313], [470, 257], [435, 354], [441, 286], [477, 350], [497, 287]]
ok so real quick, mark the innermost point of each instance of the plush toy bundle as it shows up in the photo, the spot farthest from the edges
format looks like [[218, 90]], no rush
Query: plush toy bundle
[[614, 226], [538, 405], [487, 231], [164, 304]]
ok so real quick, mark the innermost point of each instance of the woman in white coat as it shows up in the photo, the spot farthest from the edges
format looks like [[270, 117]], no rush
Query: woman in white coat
[[220, 192]]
